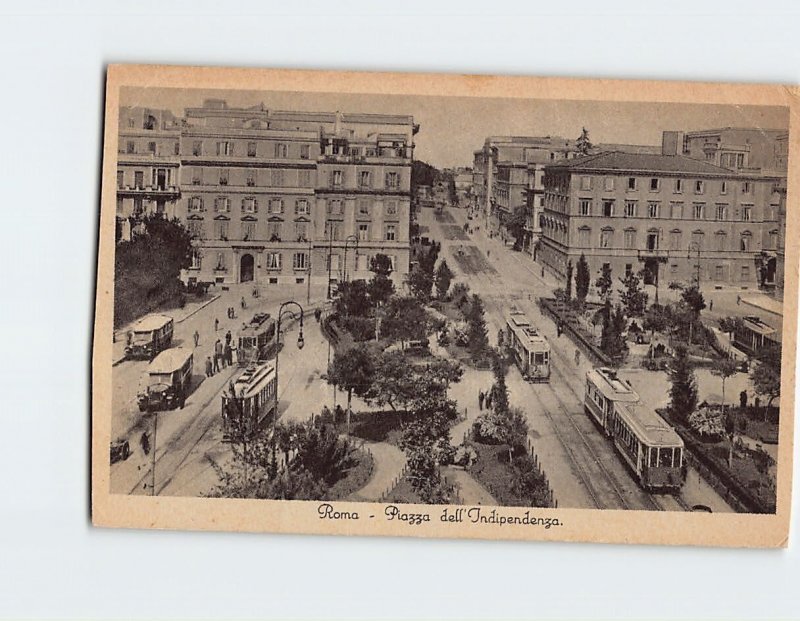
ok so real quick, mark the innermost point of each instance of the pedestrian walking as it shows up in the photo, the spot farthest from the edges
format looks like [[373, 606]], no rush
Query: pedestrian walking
[[228, 337], [216, 325], [217, 355], [318, 315], [228, 353], [481, 397], [738, 299], [711, 305], [488, 253], [209, 367], [543, 271], [577, 357], [244, 304], [488, 400], [144, 441], [196, 338]]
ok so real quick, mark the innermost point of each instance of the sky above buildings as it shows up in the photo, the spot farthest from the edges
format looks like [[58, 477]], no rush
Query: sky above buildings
[[451, 128]]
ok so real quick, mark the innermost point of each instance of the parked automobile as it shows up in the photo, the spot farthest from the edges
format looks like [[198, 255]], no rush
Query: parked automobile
[[120, 450]]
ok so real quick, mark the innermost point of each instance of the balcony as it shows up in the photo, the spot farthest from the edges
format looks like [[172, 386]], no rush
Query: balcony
[[150, 191], [662, 256]]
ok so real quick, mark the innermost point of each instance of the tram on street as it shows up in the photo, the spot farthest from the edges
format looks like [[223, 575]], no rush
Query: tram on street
[[530, 348], [168, 379], [604, 389], [149, 336], [249, 401], [256, 340], [649, 446]]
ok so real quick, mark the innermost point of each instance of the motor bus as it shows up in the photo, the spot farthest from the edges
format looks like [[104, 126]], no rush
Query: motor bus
[[167, 380], [256, 340], [149, 336], [249, 401], [530, 348]]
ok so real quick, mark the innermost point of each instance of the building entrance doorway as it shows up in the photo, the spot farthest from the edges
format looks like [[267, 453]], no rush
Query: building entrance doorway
[[246, 268]]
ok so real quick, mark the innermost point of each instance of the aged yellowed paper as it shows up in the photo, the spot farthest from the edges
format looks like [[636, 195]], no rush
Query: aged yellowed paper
[[445, 306]]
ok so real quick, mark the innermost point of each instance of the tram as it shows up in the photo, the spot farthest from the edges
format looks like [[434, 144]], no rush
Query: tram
[[649, 446], [604, 389], [531, 349], [249, 401], [256, 340]]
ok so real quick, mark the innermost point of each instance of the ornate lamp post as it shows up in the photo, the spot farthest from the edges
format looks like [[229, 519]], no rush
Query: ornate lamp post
[[350, 238], [300, 343]]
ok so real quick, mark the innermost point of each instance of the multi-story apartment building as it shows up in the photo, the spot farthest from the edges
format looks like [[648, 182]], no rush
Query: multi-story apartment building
[[508, 173], [462, 180], [148, 164], [747, 149], [674, 217], [278, 197]]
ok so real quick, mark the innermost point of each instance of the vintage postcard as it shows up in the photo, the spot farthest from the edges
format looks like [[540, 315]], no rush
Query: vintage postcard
[[446, 306]]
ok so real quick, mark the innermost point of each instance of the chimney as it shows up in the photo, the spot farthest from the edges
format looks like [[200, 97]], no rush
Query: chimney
[[671, 143]]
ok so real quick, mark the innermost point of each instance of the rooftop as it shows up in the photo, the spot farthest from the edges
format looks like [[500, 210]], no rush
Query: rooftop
[[642, 162], [649, 426]]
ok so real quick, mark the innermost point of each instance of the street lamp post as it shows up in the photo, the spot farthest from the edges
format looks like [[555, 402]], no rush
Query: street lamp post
[[346, 244], [310, 254], [300, 343]]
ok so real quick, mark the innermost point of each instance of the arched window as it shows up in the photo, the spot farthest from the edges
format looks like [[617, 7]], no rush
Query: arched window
[[607, 237], [745, 241], [721, 239]]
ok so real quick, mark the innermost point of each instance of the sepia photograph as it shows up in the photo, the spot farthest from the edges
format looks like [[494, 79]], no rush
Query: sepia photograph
[[499, 308]]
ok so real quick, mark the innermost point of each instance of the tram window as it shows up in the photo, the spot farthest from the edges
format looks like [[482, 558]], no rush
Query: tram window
[[653, 456], [665, 460], [538, 358], [677, 460]]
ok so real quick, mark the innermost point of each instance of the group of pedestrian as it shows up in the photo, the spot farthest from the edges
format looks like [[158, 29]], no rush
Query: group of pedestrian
[[231, 312], [484, 398]]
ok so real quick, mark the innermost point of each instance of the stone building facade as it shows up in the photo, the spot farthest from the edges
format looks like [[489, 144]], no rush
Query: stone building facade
[[277, 197], [673, 217]]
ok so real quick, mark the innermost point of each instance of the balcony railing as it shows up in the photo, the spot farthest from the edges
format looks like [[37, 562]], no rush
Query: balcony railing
[[655, 253]]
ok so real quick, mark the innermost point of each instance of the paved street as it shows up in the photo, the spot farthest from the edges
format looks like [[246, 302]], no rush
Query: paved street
[[581, 464]]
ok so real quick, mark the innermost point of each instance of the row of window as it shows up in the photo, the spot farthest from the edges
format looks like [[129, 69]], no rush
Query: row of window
[[273, 260], [229, 148], [719, 273], [653, 240], [250, 177], [655, 184], [365, 179], [152, 148], [275, 231], [302, 206], [157, 178], [677, 210]]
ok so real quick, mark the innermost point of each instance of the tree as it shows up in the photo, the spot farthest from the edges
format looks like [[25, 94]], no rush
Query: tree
[[477, 333], [723, 368], [460, 295], [604, 282], [147, 268], [612, 343], [683, 389], [729, 325], [394, 383], [352, 299], [582, 279], [444, 276], [499, 391], [633, 298], [692, 300], [766, 374], [322, 453], [582, 144], [404, 318], [381, 265], [516, 225], [352, 370], [568, 288], [380, 287], [420, 281]]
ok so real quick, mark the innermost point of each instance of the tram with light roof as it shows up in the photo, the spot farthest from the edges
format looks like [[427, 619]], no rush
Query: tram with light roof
[[530, 348]]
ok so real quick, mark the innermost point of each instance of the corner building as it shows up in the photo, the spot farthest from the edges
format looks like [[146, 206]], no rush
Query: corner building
[[674, 217], [278, 197]]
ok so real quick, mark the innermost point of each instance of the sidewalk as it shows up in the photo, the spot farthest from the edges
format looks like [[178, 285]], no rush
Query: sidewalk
[[470, 491], [389, 462]]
